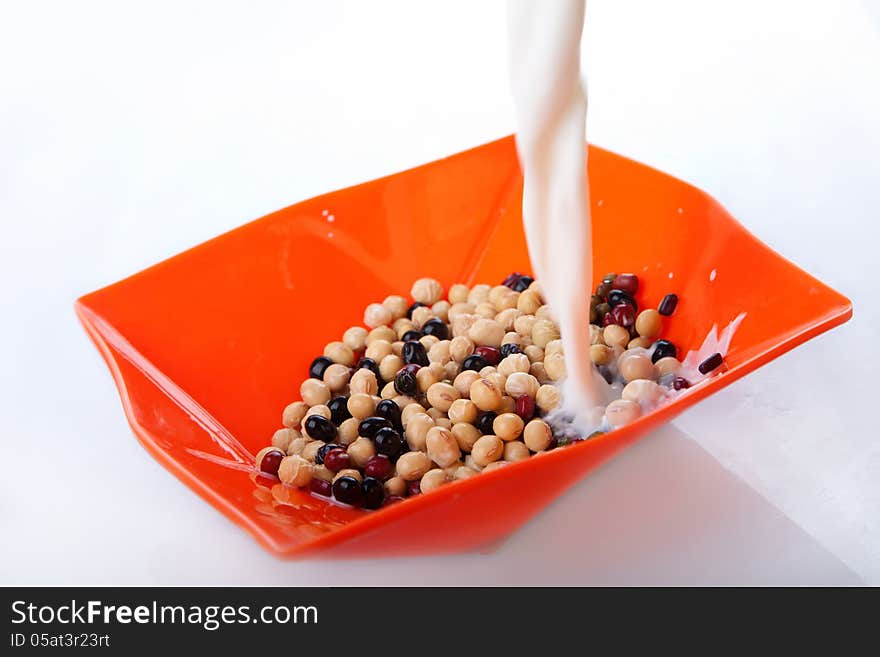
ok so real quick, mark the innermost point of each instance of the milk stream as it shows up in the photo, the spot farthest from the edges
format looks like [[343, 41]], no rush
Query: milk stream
[[551, 106]]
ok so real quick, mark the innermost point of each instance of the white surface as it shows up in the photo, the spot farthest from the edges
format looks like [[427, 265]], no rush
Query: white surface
[[129, 132]]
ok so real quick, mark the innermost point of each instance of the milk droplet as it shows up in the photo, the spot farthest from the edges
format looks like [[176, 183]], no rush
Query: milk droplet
[[680, 211], [671, 275], [553, 165], [599, 203], [331, 218], [329, 234], [324, 212], [712, 275]]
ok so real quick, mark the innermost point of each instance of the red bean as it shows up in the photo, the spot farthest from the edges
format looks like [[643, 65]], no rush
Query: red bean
[[624, 315], [321, 487], [627, 283], [270, 461], [680, 383], [525, 407], [711, 363], [337, 459], [379, 466], [668, 305], [490, 354]]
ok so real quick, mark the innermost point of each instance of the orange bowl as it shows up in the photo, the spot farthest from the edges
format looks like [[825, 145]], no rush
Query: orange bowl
[[208, 347]]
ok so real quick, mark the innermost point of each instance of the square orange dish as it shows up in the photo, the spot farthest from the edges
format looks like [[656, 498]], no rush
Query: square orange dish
[[208, 347]]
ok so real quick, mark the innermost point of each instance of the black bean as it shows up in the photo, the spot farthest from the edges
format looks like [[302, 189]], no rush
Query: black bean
[[373, 366], [617, 297], [373, 493], [405, 382], [414, 353], [389, 442], [316, 369], [523, 283], [474, 362], [339, 409], [390, 411], [662, 349], [348, 490], [511, 279], [508, 349], [369, 426], [409, 311], [485, 421], [319, 428], [436, 327]]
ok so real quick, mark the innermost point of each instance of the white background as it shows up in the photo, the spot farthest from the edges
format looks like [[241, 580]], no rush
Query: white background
[[132, 130]]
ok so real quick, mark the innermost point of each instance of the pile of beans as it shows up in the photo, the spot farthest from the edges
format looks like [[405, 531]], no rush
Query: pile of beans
[[443, 389]]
